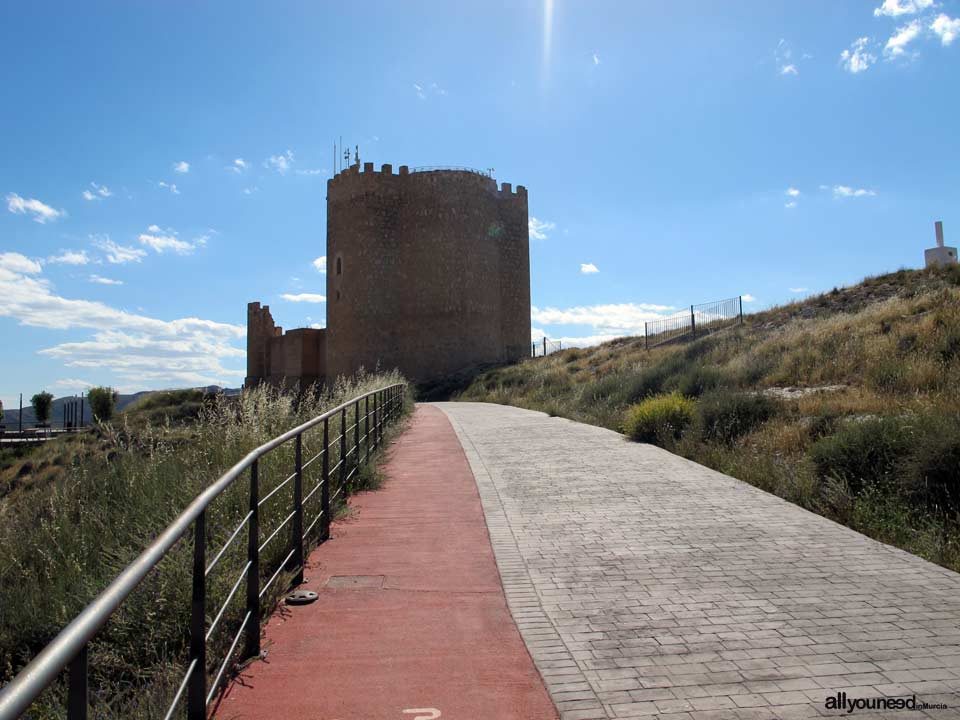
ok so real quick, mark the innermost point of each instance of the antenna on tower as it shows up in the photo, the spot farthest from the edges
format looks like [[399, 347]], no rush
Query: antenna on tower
[[356, 154], [346, 156]]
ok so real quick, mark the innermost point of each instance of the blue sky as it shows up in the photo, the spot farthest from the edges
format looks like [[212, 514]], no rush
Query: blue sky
[[165, 163]]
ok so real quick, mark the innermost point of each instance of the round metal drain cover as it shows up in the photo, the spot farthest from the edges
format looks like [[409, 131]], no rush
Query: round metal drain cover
[[301, 597]]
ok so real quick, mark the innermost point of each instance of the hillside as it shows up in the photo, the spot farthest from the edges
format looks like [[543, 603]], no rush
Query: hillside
[[846, 403], [11, 415]]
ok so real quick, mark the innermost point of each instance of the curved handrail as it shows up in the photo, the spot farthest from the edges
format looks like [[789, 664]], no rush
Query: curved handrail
[[17, 696]]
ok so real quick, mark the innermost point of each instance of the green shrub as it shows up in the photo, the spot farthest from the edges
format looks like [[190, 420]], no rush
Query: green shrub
[[659, 419], [932, 470], [726, 416], [863, 452], [42, 402], [697, 380], [102, 402]]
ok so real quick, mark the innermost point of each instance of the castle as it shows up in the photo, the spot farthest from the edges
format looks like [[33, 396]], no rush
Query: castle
[[428, 271]]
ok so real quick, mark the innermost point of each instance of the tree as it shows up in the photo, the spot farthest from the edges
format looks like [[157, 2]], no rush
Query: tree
[[102, 402], [1, 413], [42, 402]]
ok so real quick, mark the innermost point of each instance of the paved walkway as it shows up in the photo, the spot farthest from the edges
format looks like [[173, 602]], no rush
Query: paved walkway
[[646, 585], [411, 622]]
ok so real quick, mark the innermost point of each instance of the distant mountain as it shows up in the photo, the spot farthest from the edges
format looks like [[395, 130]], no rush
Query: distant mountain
[[11, 415]]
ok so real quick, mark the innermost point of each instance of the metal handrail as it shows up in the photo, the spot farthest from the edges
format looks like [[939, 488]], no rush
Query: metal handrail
[[69, 647]]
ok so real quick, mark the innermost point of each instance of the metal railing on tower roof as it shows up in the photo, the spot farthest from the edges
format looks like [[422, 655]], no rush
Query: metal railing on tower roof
[[457, 168]]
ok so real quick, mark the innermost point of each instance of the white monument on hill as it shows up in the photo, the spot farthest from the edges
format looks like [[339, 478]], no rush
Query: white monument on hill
[[940, 255]]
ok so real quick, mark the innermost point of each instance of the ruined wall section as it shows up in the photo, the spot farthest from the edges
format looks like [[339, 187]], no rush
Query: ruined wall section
[[282, 359], [260, 330], [426, 271]]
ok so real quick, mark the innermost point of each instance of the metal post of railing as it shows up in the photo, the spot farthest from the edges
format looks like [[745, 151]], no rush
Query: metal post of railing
[[343, 452], [544, 345], [78, 690], [740, 298], [366, 424], [197, 687], [297, 531], [374, 428], [325, 488], [356, 435], [253, 557], [693, 322], [80, 424]]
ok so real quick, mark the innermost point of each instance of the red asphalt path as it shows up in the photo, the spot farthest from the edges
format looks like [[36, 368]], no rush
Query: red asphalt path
[[436, 640]]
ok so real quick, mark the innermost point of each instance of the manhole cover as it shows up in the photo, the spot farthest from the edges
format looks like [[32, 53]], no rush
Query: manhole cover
[[301, 597], [355, 581]]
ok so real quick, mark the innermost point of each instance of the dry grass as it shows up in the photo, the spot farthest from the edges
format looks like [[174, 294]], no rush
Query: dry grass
[[63, 539], [891, 344]]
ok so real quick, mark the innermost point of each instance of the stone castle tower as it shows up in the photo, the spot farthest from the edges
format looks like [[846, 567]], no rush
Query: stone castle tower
[[428, 271]]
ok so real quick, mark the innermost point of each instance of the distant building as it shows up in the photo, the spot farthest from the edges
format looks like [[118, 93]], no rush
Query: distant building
[[940, 255], [428, 271]]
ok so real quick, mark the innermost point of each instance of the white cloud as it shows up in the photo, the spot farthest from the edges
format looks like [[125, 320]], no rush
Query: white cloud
[[793, 192], [70, 257], [895, 8], [946, 28], [137, 348], [14, 262], [857, 58], [539, 228], [181, 167], [311, 171], [304, 297], [321, 264], [281, 163], [239, 165], [98, 192], [614, 320], [790, 205], [896, 45], [250, 190], [596, 59], [104, 281], [748, 298], [588, 268], [42, 213], [419, 91], [783, 59], [169, 186], [844, 191], [118, 254], [73, 384], [799, 290], [162, 240]]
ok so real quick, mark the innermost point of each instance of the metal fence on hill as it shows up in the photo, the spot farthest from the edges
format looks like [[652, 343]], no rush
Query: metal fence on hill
[[699, 320], [545, 347]]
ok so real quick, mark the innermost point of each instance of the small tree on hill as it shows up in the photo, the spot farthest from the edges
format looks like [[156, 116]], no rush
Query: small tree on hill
[[42, 402], [1, 413], [103, 400]]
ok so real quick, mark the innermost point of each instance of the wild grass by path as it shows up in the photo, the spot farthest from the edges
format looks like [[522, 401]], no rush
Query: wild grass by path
[[878, 449], [63, 538]]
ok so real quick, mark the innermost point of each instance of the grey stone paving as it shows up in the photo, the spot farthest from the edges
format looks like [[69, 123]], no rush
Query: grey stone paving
[[647, 586]]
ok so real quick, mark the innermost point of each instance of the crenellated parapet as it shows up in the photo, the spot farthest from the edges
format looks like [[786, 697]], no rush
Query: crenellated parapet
[[359, 178]]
